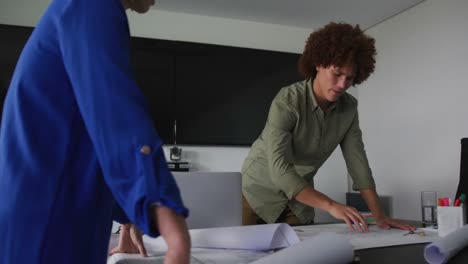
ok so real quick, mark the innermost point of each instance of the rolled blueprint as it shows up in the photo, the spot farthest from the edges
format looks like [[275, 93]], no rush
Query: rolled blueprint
[[325, 248], [442, 250], [253, 237]]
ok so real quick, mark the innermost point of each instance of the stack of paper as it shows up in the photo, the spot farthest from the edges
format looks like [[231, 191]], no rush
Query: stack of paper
[[244, 244], [329, 243]]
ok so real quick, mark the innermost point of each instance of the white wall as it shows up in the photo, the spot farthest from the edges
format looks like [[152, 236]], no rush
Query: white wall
[[180, 26], [331, 179], [215, 30], [413, 110]]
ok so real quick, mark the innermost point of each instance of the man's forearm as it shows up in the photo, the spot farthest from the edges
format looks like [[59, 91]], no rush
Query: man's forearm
[[313, 198], [372, 200]]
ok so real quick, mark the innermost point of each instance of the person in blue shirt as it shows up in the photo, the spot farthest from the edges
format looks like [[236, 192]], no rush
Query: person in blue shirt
[[78, 147]]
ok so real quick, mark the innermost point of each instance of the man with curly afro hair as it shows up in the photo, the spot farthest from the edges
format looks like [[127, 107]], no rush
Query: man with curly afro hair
[[306, 122]]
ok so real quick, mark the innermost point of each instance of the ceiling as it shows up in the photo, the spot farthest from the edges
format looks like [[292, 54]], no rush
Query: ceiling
[[296, 13]]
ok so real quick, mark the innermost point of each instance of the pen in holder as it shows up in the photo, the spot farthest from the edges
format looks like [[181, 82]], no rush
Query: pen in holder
[[450, 218]]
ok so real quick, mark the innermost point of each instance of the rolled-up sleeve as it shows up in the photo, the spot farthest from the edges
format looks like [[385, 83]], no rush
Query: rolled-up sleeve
[[355, 157], [277, 135], [97, 60]]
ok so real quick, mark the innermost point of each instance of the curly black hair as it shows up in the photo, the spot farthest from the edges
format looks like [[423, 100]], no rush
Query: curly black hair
[[339, 44]]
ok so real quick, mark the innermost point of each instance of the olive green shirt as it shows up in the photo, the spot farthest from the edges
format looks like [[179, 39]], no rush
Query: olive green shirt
[[297, 139]]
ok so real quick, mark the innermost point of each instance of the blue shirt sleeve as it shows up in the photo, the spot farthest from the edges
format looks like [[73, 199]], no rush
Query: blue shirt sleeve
[[95, 45]]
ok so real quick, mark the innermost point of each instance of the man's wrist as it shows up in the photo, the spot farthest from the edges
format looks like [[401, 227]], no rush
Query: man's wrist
[[379, 216], [125, 227]]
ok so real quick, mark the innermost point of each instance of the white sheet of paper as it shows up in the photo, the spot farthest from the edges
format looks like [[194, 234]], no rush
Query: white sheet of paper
[[375, 237], [446, 247], [243, 244], [222, 245], [323, 248], [255, 237], [197, 256]]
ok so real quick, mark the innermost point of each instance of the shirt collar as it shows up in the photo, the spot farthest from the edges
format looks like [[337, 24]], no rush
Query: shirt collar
[[314, 100]]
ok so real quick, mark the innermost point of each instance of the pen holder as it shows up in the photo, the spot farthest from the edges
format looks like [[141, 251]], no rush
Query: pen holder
[[450, 218]]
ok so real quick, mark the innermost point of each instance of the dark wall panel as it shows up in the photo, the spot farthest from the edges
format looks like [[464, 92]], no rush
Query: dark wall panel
[[12, 40], [153, 65], [218, 95], [224, 94]]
